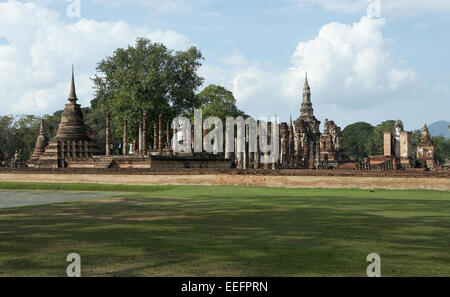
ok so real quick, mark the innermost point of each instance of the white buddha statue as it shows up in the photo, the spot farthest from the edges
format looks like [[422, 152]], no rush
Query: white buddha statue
[[398, 129]]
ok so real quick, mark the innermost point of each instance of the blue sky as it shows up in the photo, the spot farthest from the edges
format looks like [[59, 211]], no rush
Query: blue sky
[[391, 65]]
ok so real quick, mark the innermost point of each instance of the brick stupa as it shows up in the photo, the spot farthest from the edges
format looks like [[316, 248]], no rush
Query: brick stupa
[[74, 141]]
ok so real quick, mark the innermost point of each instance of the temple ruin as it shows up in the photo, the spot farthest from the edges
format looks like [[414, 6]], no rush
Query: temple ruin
[[398, 153], [425, 151], [74, 142], [301, 145]]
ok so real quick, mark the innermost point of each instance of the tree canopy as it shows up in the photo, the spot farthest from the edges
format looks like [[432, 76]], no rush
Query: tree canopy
[[355, 139], [218, 102], [375, 144], [18, 134], [146, 77], [441, 148]]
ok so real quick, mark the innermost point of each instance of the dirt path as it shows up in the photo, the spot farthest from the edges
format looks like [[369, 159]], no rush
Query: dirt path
[[241, 180]]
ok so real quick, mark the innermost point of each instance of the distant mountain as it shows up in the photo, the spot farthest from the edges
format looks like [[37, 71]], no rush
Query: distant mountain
[[440, 128]]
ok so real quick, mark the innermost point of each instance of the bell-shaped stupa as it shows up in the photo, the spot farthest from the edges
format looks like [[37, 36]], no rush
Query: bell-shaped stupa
[[73, 140]]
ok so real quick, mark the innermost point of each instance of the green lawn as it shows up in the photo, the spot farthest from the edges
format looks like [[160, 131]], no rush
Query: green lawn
[[228, 231]]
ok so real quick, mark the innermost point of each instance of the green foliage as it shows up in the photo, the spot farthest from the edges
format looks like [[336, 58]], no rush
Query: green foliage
[[27, 129], [361, 140], [441, 148], [147, 77], [375, 144], [52, 123], [7, 137], [18, 134], [95, 118], [216, 101], [355, 138], [416, 136]]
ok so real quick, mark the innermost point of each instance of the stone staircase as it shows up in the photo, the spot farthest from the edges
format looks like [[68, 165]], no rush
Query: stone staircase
[[103, 163]]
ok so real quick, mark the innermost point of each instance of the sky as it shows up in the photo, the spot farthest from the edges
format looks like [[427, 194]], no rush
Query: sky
[[367, 60]]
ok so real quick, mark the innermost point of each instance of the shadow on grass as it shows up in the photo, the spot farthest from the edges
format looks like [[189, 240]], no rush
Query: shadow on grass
[[250, 235]]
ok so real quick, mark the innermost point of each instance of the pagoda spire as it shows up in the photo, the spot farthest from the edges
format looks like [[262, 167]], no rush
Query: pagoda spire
[[306, 85], [306, 110], [41, 129], [73, 95], [426, 139]]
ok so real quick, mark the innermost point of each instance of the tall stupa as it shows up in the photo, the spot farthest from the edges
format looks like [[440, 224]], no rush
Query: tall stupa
[[73, 140]]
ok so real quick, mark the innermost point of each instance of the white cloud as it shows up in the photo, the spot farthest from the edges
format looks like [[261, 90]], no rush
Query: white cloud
[[351, 59], [253, 87], [352, 74], [388, 7], [167, 6], [343, 6], [35, 62], [349, 67]]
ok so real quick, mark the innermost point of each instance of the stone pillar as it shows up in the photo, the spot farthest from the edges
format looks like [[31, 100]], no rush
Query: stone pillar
[[160, 135], [300, 151], [256, 163], [311, 155], [291, 144], [144, 134], [267, 158], [236, 154], [228, 154], [405, 144], [192, 138], [405, 149], [155, 136], [140, 140], [108, 134], [273, 143], [251, 155], [284, 152], [318, 160], [167, 136], [174, 135], [245, 157], [86, 149], [387, 143], [125, 138]]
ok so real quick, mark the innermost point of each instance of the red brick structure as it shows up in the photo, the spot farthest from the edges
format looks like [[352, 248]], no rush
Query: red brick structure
[[74, 140], [398, 152], [425, 150]]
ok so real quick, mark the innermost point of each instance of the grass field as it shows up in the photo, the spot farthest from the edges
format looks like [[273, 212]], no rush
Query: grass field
[[228, 231]]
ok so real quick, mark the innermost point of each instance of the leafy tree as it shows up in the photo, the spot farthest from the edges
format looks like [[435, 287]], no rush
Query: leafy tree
[[52, 123], [216, 101], [18, 134], [96, 120], [441, 148], [7, 144], [355, 138], [416, 136], [375, 144], [147, 77], [26, 130]]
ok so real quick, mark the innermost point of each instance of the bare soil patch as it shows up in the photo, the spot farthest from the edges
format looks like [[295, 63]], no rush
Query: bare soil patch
[[285, 181]]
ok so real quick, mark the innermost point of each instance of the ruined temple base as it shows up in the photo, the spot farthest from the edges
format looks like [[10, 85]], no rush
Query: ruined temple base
[[156, 162], [285, 181]]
